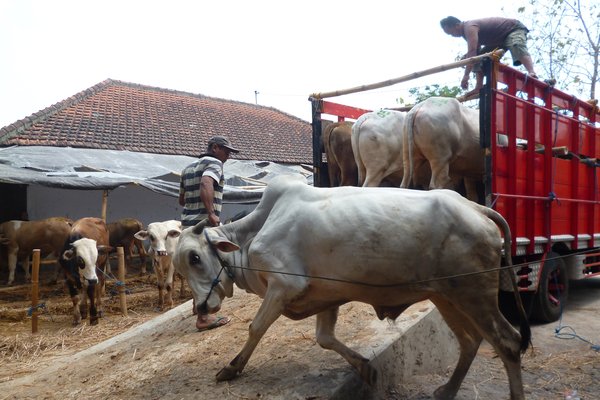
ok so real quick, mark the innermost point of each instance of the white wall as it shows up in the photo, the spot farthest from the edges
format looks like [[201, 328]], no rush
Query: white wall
[[131, 201]]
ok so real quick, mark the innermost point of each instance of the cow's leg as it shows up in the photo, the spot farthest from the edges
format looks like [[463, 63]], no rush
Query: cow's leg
[[142, 254], [169, 284], [469, 340], [83, 305], [74, 293], [25, 265], [268, 312], [505, 340], [325, 333], [12, 264], [471, 188], [92, 288], [181, 284], [160, 279], [374, 177], [440, 178]]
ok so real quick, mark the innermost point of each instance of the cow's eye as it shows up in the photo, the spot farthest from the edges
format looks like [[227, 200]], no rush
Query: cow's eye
[[80, 262], [194, 258]]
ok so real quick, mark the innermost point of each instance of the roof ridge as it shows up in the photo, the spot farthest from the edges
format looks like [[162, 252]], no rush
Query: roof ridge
[[21, 125]]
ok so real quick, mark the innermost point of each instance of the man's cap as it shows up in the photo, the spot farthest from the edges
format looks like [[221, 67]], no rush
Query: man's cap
[[222, 141]]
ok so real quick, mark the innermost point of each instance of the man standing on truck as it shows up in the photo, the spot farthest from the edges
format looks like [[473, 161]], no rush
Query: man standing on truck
[[487, 34]]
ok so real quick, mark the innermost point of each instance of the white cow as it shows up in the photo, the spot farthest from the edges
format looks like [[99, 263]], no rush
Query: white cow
[[445, 134], [377, 140], [308, 250], [163, 238]]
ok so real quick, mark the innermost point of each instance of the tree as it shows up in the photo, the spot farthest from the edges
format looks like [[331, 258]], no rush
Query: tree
[[418, 94], [565, 42]]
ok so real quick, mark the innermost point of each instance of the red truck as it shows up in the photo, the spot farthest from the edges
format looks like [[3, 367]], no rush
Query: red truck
[[545, 182]]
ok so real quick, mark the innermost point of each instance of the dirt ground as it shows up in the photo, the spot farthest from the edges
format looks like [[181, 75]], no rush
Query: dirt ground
[[177, 362]]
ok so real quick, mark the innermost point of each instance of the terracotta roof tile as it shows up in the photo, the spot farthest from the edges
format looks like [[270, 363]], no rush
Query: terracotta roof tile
[[117, 115]]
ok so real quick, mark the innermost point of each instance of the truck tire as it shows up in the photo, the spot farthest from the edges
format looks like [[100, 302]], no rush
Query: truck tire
[[552, 292]]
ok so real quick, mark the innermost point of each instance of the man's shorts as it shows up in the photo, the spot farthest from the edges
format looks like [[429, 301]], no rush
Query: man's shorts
[[515, 42]]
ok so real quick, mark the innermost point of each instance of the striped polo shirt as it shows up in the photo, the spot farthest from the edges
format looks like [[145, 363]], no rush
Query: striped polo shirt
[[194, 211]]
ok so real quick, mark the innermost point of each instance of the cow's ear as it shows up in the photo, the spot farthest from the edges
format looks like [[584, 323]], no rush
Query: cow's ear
[[68, 255], [141, 235], [173, 233], [104, 249], [199, 227], [225, 245]]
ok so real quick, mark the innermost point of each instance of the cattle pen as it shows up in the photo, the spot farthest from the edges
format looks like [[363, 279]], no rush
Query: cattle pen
[[542, 153]]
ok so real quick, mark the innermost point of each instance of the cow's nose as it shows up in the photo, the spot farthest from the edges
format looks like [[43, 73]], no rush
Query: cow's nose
[[92, 281]]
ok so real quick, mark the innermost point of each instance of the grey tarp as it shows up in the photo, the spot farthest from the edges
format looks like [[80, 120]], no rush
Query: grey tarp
[[85, 169]]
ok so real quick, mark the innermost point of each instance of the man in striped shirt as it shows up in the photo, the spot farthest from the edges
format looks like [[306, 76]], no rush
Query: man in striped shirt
[[201, 196], [202, 182]]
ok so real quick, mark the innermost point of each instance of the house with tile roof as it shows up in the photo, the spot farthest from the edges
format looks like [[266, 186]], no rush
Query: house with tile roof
[[130, 142]]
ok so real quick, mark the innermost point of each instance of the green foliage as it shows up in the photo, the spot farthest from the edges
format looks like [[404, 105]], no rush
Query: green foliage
[[564, 42], [418, 94]]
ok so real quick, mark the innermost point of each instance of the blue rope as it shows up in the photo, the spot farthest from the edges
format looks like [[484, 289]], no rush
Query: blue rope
[[572, 334], [34, 308]]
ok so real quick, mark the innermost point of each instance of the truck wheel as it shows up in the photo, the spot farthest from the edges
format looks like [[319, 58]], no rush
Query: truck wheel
[[552, 291]]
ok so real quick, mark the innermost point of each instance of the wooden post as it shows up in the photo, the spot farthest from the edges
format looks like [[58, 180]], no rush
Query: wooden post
[[121, 273], [35, 277], [104, 203]]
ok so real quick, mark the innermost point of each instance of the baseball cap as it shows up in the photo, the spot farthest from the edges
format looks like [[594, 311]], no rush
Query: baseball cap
[[222, 141]]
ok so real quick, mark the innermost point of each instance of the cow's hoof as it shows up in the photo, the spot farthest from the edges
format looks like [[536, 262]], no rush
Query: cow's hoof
[[94, 321], [226, 374], [444, 393], [368, 374]]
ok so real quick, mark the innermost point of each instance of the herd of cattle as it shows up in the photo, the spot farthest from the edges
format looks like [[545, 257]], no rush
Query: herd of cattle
[[433, 146], [82, 248], [308, 250]]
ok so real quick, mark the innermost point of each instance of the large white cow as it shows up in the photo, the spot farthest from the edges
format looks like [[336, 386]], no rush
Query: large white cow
[[163, 238], [445, 134], [308, 250], [377, 141]]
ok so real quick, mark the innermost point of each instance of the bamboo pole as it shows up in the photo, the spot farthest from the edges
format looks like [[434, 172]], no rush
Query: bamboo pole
[[35, 277], [469, 61], [121, 273]]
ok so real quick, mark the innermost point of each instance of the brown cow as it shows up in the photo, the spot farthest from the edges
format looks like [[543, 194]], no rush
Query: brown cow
[[121, 234], [22, 237], [340, 158], [84, 254]]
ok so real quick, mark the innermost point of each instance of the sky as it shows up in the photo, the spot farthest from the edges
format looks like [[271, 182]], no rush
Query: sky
[[273, 53]]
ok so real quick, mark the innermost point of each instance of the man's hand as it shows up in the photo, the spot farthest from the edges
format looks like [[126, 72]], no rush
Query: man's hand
[[213, 219], [465, 82]]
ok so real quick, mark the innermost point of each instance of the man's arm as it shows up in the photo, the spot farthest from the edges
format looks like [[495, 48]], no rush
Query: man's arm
[[472, 37], [207, 195]]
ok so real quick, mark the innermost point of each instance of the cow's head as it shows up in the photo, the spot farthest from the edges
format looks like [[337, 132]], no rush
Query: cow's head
[[163, 236], [196, 258], [84, 253]]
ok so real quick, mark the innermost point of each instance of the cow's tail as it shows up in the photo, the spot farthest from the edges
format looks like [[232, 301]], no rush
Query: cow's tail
[[408, 142], [524, 327], [354, 139]]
